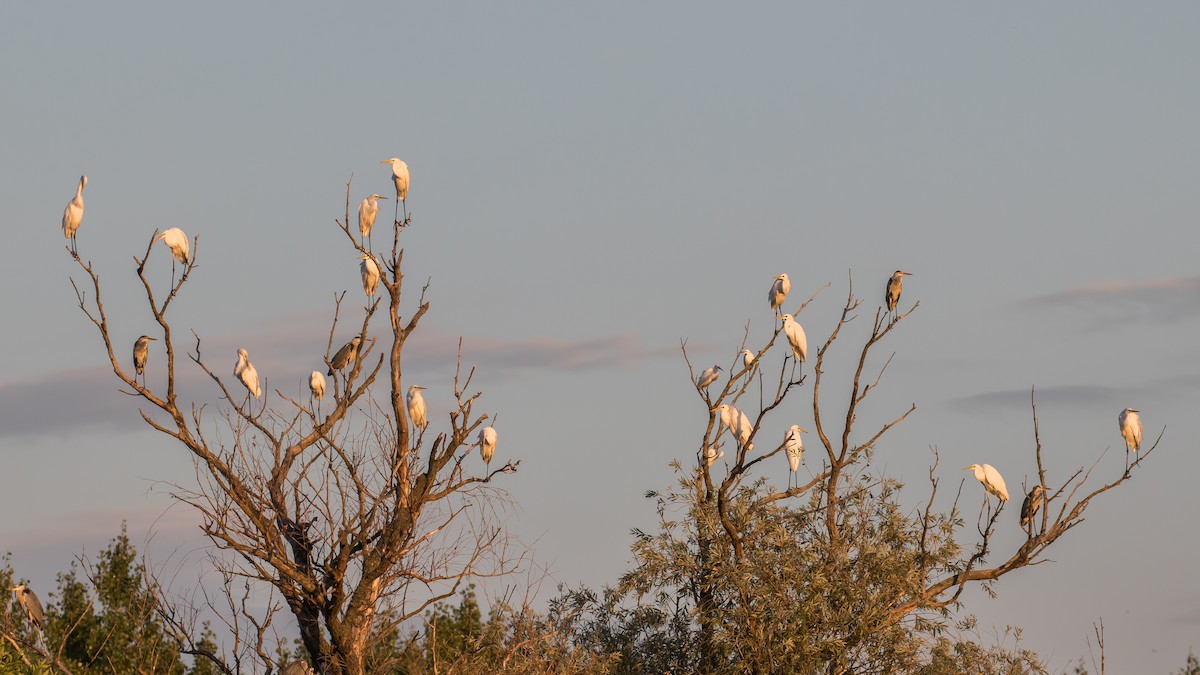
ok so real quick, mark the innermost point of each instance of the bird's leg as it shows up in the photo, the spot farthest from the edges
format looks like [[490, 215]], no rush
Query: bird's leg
[[396, 215], [405, 203], [172, 272]]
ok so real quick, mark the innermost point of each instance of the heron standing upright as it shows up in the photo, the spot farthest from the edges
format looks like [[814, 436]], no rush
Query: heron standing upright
[[779, 291], [737, 423], [244, 371], [400, 178], [73, 214], [707, 377], [747, 358], [487, 444], [370, 275], [177, 241], [367, 210], [32, 606], [141, 350], [992, 481], [894, 286], [794, 445], [346, 355], [316, 384], [416, 407], [1131, 431], [796, 337], [1033, 502]]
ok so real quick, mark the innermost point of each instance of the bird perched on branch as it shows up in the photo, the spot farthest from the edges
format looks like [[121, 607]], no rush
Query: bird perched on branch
[[707, 377], [32, 606], [245, 372], [992, 481], [796, 337], [1033, 502], [794, 445], [370, 275], [367, 210], [141, 350], [737, 423], [779, 291], [1131, 430], [316, 384], [346, 355], [894, 286], [416, 407], [487, 444], [73, 214], [747, 358], [400, 180]]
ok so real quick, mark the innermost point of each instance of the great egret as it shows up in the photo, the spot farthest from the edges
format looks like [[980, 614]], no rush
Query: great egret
[[244, 371], [346, 355], [796, 337], [779, 291], [894, 286], [177, 241], [367, 210], [737, 423], [747, 358], [316, 384], [1033, 502], [416, 407], [1131, 431], [73, 214], [992, 481], [32, 606], [400, 178], [487, 444], [707, 377], [370, 274], [141, 350], [794, 445], [711, 455]]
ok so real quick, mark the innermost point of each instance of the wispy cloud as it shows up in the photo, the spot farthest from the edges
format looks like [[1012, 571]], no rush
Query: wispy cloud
[[1079, 396], [1157, 301]]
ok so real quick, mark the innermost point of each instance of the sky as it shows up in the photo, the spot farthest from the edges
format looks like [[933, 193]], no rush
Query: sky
[[591, 184]]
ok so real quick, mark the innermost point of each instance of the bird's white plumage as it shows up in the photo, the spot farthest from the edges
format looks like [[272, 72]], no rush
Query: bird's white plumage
[[794, 445], [1131, 429], [367, 210], [747, 358], [177, 241], [370, 275], [779, 291], [992, 481], [73, 214], [711, 455], [416, 407], [737, 423], [795, 336], [316, 384], [707, 377], [487, 444], [399, 177], [245, 372]]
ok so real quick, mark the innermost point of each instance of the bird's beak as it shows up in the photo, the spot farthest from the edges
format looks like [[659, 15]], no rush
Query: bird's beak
[[150, 338], [967, 468], [712, 410], [804, 430], [908, 274]]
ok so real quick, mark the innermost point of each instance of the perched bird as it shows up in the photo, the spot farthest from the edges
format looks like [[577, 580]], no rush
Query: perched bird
[[1033, 502], [370, 275], [707, 377], [711, 455], [796, 337], [296, 668], [992, 481], [779, 291], [346, 355], [32, 606], [73, 214], [177, 241], [316, 384], [747, 358], [894, 285], [737, 423], [141, 349], [794, 446], [487, 444], [367, 210], [416, 407], [1131, 431], [244, 371], [400, 179]]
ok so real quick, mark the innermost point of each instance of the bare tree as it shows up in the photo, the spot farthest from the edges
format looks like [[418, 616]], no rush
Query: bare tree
[[345, 509]]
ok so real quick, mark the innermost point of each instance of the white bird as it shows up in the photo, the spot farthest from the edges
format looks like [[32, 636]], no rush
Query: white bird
[[779, 291], [487, 444], [796, 337], [400, 178], [177, 241], [244, 371], [707, 377], [346, 355], [747, 358], [416, 407], [1131, 431], [894, 286], [370, 275], [737, 423], [1033, 502], [794, 446], [73, 214], [711, 455], [32, 606], [316, 384], [367, 210], [141, 350], [992, 481]]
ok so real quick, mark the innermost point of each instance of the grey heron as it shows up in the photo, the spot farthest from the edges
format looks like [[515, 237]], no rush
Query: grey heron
[[346, 355], [894, 286]]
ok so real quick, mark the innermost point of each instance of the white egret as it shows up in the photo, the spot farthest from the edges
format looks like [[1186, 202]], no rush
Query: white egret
[[794, 445], [346, 355], [400, 178], [141, 350], [779, 291], [737, 423], [244, 371], [32, 606], [416, 407], [487, 444], [711, 455], [747, 358], [707, 377], [894, 286], [1033, 502], [73, 214], [367, 210], [796, 337], [316, 384], [177, 241], [370, 275], [992, 481], [1131, 431]]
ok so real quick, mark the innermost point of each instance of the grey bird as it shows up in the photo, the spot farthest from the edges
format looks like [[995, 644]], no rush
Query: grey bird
[[32, 606], [346, 355], [894, 286], [1033, 502], [141, 349]]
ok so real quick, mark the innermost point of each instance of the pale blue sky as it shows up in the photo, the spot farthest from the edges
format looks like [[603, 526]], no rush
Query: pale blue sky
[[593, 183]]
